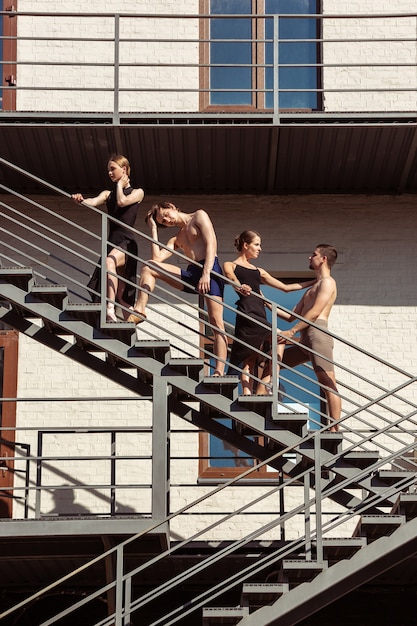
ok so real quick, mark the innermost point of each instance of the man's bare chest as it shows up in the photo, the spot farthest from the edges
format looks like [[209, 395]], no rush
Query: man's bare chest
[[188, 238]]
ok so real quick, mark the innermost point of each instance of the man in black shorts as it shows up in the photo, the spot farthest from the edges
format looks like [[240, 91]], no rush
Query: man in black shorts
[[315, 306], [197, 240]]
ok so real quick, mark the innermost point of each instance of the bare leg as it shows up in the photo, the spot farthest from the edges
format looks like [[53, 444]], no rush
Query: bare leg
[[334, 403], [215, 315], [148, 276], [262, 389], [246, 379], [115, 259]]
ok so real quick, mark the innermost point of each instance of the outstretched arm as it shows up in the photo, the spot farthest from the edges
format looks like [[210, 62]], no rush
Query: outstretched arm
[[96, 202], [269, 280]]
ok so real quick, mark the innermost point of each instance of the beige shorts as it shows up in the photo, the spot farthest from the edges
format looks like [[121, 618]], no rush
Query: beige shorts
[[316, 340]]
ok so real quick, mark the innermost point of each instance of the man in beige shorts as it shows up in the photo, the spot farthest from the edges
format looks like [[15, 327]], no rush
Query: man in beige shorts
[[315, 306]]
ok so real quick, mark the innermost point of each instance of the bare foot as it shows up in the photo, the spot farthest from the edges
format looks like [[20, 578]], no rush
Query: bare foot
[[136, 317]]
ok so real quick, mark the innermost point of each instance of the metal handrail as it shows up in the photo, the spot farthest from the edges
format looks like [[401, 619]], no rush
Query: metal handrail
[[117, 41]]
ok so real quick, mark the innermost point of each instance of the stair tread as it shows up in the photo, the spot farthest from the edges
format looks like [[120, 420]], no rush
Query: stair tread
[[303, 564], [261, 587], [15, 270], [225, 611], [51, 288], [221, 380]]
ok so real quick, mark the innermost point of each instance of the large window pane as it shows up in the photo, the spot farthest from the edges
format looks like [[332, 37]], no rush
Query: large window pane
[[234, 53], [296, 52]]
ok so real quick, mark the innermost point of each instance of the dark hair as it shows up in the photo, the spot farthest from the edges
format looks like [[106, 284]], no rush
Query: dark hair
[[246, 237], [154, 210], [329, 252]]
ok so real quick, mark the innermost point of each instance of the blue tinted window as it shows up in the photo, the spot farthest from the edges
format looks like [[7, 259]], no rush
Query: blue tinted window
[[235, 53], [231, 45], [298, 52]]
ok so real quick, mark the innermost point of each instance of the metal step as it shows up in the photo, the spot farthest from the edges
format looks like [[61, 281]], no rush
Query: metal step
[[88, 312], [375, 526], [291, 416], [56, 295], [223, 615], [360, 458], [297, 571], [21, 277], [256, 595], [191, 368], [336, 549], [392, 477], [406, 505], [225, 385], [259, 404], [331, 442], [158, 349]]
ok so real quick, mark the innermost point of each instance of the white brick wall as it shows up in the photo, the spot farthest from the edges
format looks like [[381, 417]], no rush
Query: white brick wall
[[376, 309], [370, 45], [75, 84]]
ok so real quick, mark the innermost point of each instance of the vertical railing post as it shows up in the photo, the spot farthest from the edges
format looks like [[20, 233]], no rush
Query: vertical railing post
[[128, 601], [319, 521], [274, 357], [103, 282], [275, 82], [119, 586], [160, 448], [113, 476], [307, 517], [116, 103], [38, 486]]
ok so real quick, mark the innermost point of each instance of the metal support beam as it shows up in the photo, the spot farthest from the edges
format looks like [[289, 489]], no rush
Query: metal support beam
[[160, 448]]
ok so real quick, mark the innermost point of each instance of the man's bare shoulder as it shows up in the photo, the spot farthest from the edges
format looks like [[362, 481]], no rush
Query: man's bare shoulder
[[326, 281], [200, 215]]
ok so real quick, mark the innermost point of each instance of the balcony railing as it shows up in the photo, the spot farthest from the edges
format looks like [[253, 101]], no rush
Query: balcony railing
[[157, 67]]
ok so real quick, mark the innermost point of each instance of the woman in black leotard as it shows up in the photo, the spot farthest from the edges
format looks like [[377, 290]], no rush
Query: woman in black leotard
[[122, 203], [254, 330]]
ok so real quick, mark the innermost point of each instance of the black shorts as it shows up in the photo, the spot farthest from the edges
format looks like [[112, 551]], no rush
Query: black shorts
[[193, 274]]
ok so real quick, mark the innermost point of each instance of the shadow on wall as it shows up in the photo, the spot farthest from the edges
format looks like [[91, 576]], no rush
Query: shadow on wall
[[65, 504]]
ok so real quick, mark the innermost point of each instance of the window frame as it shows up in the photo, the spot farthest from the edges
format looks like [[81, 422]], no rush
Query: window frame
[[8, 27], [258, 72], [9, 342]]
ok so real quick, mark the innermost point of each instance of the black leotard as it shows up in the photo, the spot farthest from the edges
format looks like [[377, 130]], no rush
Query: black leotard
[[122, 238], [245, 329], [118, 235]]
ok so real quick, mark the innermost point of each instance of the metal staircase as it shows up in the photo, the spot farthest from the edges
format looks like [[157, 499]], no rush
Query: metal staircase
[[362, 474]]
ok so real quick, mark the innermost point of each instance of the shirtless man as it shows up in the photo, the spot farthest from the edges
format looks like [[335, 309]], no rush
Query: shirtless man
[[196, 239], [315, 306]]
